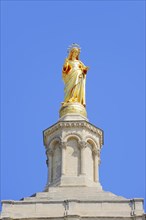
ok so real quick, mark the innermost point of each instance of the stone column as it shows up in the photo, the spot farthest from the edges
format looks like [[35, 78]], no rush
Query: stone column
[[83, 145], [63, 150], [96, 165], [50, 160]]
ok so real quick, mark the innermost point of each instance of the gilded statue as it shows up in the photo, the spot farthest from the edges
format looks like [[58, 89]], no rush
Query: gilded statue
[[74, 77]]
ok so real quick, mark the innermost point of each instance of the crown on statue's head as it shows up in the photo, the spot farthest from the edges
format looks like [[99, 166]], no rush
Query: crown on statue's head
[[74, 45]]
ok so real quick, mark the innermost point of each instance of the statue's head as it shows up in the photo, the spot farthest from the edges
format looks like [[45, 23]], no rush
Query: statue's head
[[74, 51]]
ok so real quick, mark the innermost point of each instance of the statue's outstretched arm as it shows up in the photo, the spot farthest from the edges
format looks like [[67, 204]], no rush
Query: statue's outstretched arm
[[66, 67]]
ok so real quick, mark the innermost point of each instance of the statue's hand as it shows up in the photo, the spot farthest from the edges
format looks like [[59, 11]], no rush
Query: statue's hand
[[65, 66], [87, 68]]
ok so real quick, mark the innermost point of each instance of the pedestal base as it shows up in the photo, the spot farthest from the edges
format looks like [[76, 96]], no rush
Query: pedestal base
[[77, 181], [73, 117], [75, 108]]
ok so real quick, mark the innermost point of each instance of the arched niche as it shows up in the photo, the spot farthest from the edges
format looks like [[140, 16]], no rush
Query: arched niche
[[89, 160], [72, 135], [53, 142], [56, 160], [73, 156], [92, 143]]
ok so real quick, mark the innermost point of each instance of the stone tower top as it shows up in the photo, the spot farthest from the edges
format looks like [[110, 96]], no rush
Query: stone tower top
[[73, 154]]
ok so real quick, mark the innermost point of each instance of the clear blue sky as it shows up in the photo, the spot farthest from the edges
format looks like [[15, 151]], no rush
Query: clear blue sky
[[35, 36]]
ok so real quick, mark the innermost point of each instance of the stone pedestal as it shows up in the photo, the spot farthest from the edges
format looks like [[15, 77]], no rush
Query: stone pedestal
[[73, 190], [73, 108], [73, 153]]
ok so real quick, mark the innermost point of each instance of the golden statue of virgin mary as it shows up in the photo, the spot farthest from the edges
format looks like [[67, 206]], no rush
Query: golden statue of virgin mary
[[74, 77]]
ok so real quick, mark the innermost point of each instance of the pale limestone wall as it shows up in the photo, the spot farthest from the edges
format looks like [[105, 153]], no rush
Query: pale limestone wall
[[109, 208]]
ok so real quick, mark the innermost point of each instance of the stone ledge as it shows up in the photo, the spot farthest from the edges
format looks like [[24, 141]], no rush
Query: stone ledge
[[27, 201], [77, 217]]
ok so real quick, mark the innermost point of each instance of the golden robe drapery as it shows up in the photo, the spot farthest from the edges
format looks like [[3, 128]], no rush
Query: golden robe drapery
[[74, 77]]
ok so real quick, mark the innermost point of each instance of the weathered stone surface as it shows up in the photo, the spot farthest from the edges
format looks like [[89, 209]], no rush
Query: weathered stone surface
[[73, 153], [73, 190], [84, 202]]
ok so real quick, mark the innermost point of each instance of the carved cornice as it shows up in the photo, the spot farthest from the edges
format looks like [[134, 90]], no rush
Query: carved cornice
[[71, 124]]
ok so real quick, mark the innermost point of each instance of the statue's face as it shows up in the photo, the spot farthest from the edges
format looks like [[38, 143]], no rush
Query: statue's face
[[75, 53]]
